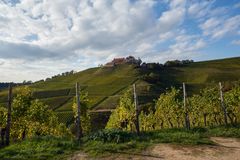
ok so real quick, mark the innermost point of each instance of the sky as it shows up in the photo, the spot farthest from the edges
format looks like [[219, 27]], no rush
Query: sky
[[41, 38]]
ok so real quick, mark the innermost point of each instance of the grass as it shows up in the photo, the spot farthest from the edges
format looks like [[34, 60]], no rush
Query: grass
[[39, 148], [198, 75], [222, 131], [107, 142]]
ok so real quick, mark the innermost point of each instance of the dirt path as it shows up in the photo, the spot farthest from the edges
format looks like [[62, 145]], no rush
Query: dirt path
[[227, 149]]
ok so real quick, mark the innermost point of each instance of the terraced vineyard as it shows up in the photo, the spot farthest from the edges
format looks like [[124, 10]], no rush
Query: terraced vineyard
[[106, 84]]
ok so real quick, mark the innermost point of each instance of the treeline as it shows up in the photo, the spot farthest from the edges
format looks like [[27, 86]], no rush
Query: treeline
[[4, 85], [203, 110], [58, 75], [173, 63]]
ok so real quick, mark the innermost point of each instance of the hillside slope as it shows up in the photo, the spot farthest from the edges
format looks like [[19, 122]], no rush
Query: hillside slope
[[198, 75], [106, 84]]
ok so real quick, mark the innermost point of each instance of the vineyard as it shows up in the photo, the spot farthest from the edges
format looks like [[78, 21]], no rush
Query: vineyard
[[203, 110], [113, 114], [105, 86]]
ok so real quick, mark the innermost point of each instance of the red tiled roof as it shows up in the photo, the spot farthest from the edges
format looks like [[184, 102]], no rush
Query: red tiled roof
[[118, 60]]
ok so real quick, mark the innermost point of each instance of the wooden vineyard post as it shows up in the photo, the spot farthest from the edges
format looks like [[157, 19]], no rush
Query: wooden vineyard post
[[136, 109], [79, 127], [187, 122], [8, 127], [222, 103]]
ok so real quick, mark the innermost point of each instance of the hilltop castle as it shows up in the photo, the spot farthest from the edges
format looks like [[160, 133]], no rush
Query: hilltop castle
[[127, 60]]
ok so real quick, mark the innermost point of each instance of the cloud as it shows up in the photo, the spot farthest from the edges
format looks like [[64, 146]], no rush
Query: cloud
[[202, 10], [80, 34], [70, 26], [199, 9], [236, 42], [237, 5], [184, 46], [220, 27], [73, 26], [210, 23], [231, 26], [23, 51]]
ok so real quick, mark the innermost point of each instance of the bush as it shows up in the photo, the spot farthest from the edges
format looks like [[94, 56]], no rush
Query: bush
[[113, 136]]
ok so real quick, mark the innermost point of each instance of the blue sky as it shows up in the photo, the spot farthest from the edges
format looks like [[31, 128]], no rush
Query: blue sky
[[41, 38]]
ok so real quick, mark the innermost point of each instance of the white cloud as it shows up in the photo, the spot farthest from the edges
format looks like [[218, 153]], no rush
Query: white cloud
[[166, 36], [220, 27], [187, 44], [171, 18], [43, 33], [143, 47], [209, 24], [199, 9], [231, 26]]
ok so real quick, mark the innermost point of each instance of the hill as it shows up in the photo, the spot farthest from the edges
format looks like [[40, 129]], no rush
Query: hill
[[106, 84]]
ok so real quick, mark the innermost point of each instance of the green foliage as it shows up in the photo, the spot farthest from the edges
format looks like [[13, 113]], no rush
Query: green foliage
[[123, 117], [169, 110], [84, 114], [206, 110], [198, 111], [232, 103], [3, 117], [111, 141], [39, 148], [110, 135], [22, 102], [203, 110], [114, 141], [32, 117], [147, 121], [223, 131], [105, 142]]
